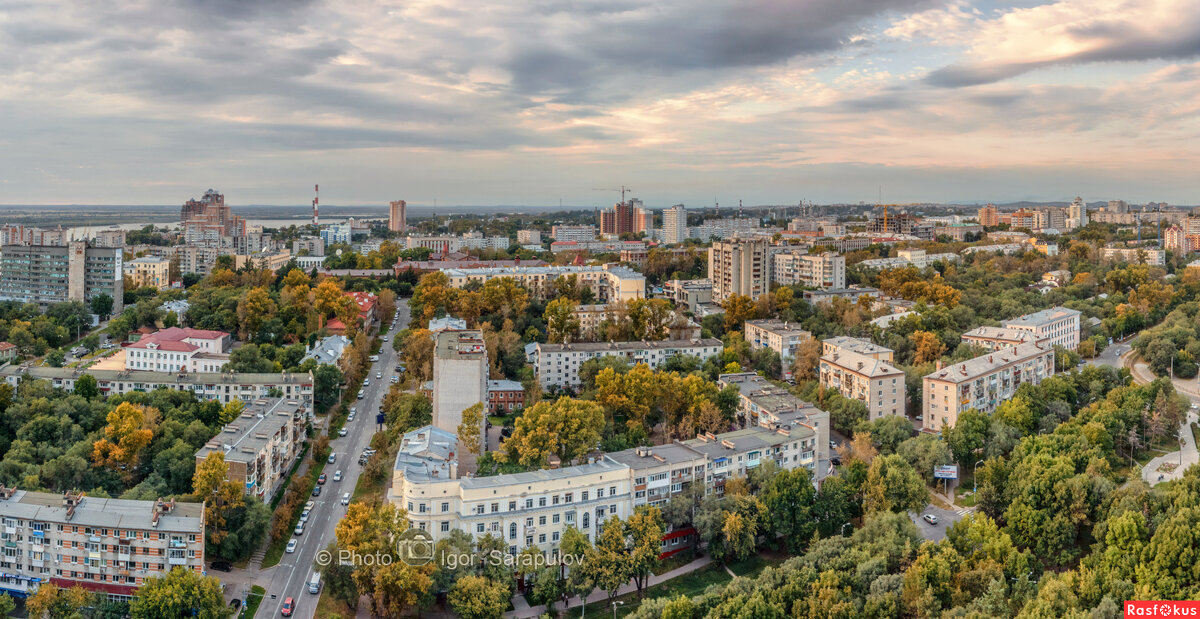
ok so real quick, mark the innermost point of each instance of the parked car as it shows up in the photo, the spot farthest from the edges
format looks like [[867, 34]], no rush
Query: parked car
[[291, 547], [321, 479], [304, 515], [342, 432], [332, 458], [299, 530], [316, 491], [930, 518], [384, 338], [337, 476], [360, 394], [309, 505]]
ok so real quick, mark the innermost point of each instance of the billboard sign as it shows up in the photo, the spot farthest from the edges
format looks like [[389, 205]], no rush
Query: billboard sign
[[946, 471]]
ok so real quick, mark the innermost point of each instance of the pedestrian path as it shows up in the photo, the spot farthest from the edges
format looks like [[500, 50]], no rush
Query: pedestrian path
[[522, 609]]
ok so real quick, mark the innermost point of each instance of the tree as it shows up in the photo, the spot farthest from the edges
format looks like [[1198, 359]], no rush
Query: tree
[[7, 605], [925, 452], [476, 597], [889, 431], [808, 355], [927, 347], [562, 320], [180, 593], [788, 501], [567, 428], [967, 436], [130, 429], [393, 586], [232, 410], [470, 431], [55, 358], [738, 309], [102, 305], [326, 382], [86, 386], [329, 297], [740, 535], [254, 310], [645, 530], [580, 579], [893, 485], [608, 561], [222, 498]]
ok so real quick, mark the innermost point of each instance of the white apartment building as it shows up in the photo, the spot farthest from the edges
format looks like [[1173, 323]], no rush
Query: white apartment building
[[863, 347], [908, 257], [876, 383], [778, 335], [223, 387], [798, 268], [674, 228], [1057, 326], [179, 349], [739, 267], [982, 383], [609, 282], [997, 338], [529, 237], [110, 546], [761, 403], [558, 364], [1134, 255], [573, 233]]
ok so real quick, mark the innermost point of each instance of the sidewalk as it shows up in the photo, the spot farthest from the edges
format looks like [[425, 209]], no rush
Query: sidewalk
[[522, 609]]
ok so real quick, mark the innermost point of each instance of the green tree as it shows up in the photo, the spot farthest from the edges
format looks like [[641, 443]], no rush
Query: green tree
[[102, 304], [925, 452], [86, 386], [788, 501], [567, 428], [326, 391], [645, 530], [608, 561], [562, 320], [580, 579], [7, 605], [180, 593], [968, 436], [470, 431], [893, 485], [889, 431], [476, 597]]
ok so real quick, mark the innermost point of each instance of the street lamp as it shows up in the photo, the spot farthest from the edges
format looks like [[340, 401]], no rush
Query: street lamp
[[614, 605], [843, 531], [974, 479]]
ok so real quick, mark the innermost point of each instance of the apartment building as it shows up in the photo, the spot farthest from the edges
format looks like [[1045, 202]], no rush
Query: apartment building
[[504, 396], [735, 454], [48, 274], [739, 267], [689, 294], [674, 228], [179, 349], [1057, 326], [863, 347], [851, 294], [608, 283], [209, 220], [762, 404], [308, 245], [998, 338], [223, 387], [109, 546], [959, 232], [779, 335], [261, 445], [598, 247], [398, 216], [982, 383], [149, 271], [270, 260], [1135, 255], [195, 259], [460, 381], [657, 473], [799, 268], [573, 233], [874, 382], [558, 364], [529, 237]]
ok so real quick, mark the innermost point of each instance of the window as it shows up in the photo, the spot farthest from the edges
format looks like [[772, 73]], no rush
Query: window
[[479, 528], [554, 519], [554, 500], [585, 520], [445, 526], [542, 538], [599, 492], [542, 521], [528, 503], [512, 530], [541, 501], [512, 506], [495, 507], [528, 540], [583, 496]]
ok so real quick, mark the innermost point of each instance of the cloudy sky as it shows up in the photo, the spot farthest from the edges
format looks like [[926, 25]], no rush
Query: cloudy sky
[[529, 102]]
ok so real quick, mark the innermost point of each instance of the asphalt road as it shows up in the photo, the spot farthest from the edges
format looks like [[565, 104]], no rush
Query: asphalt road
[[1111, 356], [946, 518], [290, 577]]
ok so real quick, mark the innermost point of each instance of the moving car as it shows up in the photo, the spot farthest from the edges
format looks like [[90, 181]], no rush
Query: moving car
[[360, 394], [930, 518], [378, 374], [337, 476], [291, 547], [288, 606], [342, 432], [346, 499], [332, 458], [366, 382]]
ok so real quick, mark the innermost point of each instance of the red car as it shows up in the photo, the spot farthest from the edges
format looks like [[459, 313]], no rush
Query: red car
[[321, 479], [288, 607]]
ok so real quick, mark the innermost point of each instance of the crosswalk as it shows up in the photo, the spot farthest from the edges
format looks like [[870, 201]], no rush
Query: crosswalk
[[965, 511]]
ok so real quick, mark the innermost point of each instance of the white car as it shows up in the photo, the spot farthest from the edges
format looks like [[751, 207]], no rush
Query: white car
[[378, 374], [342, 432], [299, 529], [337, 476], [384, 338], [366, 382], [291, 547], [304, 515], [353, 409], [309, 505]]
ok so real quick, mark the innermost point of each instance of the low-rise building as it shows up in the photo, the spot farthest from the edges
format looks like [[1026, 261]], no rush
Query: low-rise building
[[261, 445], [504, 396], [876, 383], [982, 383], [529, 237], [779, 335], [868, 348], [223, 387], [1058, 326], [107, 546], [558, 364], [270, 260], [149, 271], [689, 294], [997, 338], [1134, 255], [8, 352], [179, 349], [328, 350], [908, 257], [735, 454], [851, 294], [960, 232]]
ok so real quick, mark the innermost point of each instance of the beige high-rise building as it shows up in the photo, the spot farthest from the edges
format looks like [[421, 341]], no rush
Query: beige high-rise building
[[989, 215], [150, 271], [398, 216], [739, 267], [674, 227]]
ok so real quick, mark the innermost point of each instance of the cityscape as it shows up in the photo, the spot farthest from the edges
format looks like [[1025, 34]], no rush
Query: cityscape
[[347, 311]]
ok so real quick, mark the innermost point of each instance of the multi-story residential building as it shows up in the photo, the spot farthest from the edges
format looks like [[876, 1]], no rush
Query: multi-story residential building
[[608, 283], [760, 403], [989, 215], [198, 260], [982, 383], [908, 257], [674, 228], [398, 216], [460, 381], [739, 267], [1024, 218], [876, 383], [223, 387], [149, 271], [46, 274], [558, 364], [735, 454], [179, 350], [208, 220], [863, 347], [960, 232], [799, 268], [643, 221], [597, 246], [618, 220], [109, 238], [504, 396], [573, 233], [1077, 214], [851, 294], [1058, 326], [657, 473], [529, 237], [729, 227], [272, 261], [997, 338], [689, 294], [309, 246], [779, 335], [108, 546], [261, 445], [337, 233], [1133, 255]]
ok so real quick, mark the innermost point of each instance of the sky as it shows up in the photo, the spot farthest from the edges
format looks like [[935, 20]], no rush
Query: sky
[[533, 102]]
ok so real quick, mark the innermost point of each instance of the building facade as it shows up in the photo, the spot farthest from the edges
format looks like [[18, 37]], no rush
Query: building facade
[[739, 267], [674, 228], [573, 233], [460, 381], [992, 339], [1134, 255], [261, 445], [107, 546], [876, 383], [799, 268], [1057, 326], [398, 216], [558, 364], [778, 335], [46, 274], [179, 349], [223, 387], [608, 283], [982, 383], [149, 271]]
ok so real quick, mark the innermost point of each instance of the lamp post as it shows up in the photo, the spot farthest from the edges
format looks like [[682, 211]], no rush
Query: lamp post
[[843, 531], [614, 605], [974, 479]]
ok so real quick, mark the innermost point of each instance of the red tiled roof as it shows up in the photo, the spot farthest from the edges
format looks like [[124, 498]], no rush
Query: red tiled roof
[[364, 300], [7, 346], [173, 338]]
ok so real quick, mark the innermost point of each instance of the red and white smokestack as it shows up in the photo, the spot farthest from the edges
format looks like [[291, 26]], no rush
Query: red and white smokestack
[[316, 190]]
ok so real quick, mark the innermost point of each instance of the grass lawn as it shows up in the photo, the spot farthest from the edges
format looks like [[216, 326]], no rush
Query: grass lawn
[[252, 601], [689, 585], [753, 565], [1196, 433], [964, 495], [679, 559], [329, 607]]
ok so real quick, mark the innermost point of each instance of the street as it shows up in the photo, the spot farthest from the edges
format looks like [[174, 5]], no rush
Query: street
[[290, 577], [946, 519], [1111, 356]]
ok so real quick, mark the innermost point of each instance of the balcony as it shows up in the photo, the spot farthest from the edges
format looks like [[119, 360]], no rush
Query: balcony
[[177, 561]]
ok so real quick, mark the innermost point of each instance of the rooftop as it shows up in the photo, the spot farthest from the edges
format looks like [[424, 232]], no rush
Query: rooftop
[[1003, 334], [742, 441], [986, 364], [1043, 317], [242, 439], [658, 455], [151, 378], [862, 364], [625, 346], [104, 513], [854, 344], [174, 339], [779, 327], [615, 269], [504, 385], [602, 465], [459, 345], [426, 454]]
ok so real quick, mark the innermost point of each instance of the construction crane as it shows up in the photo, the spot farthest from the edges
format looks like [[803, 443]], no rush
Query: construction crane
[[623, 190], [885, 214]]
